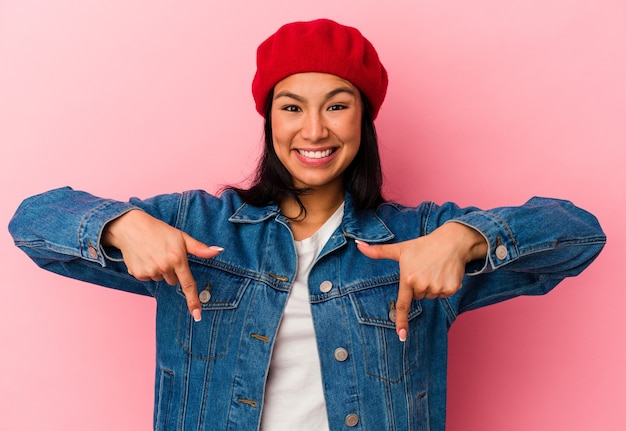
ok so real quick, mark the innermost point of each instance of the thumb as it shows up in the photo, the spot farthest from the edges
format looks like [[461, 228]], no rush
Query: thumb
[[199, 249], [381, 251]]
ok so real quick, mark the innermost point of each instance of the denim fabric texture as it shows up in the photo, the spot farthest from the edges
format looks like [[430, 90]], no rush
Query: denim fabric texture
[[210, 375]]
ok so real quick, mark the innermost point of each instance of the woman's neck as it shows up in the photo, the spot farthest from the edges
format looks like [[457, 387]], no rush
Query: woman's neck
[[319, 207]]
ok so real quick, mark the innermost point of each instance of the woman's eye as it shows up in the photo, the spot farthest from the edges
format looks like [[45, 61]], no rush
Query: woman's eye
[[291, 108], [336, 107]]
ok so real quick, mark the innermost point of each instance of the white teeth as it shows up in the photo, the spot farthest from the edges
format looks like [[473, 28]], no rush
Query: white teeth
[[315, 154]]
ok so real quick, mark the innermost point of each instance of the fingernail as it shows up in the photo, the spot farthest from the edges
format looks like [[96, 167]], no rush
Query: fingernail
[[216, 248], [361, 242], [402, 335], [197, 314]]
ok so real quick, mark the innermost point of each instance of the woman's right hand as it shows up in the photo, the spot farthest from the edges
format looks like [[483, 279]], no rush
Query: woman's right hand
[[154, 250]]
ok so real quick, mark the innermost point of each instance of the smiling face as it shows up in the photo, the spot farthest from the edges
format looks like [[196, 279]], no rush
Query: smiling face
[[316, 128]]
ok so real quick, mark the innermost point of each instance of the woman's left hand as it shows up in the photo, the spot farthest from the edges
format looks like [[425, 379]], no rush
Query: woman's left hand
[[431, 266]]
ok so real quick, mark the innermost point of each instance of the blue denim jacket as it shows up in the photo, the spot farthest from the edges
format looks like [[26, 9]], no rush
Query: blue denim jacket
[[211, 375]]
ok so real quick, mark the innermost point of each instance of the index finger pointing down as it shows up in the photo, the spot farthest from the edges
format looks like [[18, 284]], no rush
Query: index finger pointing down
[[403, 306], [188, 286]]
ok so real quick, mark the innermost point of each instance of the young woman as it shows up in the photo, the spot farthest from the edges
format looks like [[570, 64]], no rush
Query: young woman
[[307, 301]]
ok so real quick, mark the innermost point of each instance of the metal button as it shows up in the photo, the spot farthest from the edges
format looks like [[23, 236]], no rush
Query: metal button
[[92, 252], [501, 252], [341, 354], [392, 311], [352, 420], [326, 286], [205, 296]]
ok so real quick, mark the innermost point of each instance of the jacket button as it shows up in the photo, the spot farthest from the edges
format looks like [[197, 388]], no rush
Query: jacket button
[[205, 296], [352, 420], [341, 354], [501, 252], [326, 286], [92, 252]]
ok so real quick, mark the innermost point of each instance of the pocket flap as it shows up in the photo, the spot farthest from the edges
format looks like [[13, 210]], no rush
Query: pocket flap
[[225, 289], [374, 305]]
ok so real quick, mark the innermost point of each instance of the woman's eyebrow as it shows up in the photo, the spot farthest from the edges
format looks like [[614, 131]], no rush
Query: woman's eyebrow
[[329, 95], [290, 95], [340, 90]]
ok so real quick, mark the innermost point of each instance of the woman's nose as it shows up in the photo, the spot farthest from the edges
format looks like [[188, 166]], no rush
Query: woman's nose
[[314, 127]]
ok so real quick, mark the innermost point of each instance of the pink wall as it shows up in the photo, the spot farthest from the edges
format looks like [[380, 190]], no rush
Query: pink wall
[[490, 102]]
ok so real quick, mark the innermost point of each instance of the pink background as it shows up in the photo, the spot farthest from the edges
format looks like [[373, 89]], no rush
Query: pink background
[[490, 102]]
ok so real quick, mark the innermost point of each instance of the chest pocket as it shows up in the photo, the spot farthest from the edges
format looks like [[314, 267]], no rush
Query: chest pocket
[[220, 294], [386, 357]]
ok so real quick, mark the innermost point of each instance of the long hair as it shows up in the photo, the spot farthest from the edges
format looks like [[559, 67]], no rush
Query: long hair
[[363, 178]]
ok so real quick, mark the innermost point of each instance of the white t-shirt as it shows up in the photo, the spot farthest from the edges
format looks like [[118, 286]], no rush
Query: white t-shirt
[[294, 396]]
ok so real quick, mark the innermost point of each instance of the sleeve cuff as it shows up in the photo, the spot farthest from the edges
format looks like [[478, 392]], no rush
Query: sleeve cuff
[[502, 246], [92, 226]]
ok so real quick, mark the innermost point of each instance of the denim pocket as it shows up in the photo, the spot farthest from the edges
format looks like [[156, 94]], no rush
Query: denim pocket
[[386, 357], [208, 339]]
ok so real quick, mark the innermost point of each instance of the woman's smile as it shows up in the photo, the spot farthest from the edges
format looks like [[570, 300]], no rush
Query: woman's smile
[[316, 158], [319, 154]]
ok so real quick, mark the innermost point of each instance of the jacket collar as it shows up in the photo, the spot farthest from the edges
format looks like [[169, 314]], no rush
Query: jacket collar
[[363, 225]]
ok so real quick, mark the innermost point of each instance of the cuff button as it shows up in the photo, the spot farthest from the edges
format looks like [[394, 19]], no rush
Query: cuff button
[[501, 252], [92, 252]]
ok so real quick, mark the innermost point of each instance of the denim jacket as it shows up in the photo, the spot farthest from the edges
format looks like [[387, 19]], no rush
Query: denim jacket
[[211, 375]]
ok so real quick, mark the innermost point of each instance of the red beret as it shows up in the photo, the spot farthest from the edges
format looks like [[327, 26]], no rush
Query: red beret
[[319, 46]]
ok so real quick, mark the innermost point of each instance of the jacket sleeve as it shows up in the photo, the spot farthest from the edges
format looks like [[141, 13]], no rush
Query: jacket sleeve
[[531, 249], [61, 231]]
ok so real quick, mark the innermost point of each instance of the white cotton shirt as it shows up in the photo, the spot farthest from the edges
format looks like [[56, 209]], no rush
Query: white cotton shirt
[[294, 397]]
